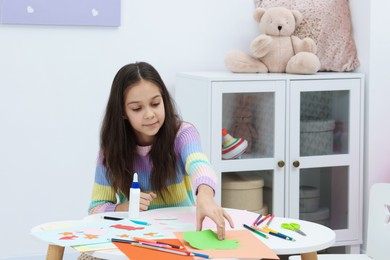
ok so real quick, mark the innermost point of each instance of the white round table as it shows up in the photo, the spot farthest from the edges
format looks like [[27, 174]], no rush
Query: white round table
[[318, 237]]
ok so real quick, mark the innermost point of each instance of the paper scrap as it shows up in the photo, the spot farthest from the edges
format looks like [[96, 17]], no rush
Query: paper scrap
[[207, 239]]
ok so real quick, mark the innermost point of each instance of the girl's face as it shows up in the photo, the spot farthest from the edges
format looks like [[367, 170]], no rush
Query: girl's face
[[144, 108]]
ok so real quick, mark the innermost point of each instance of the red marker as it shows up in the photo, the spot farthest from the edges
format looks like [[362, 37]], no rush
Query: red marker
[[263, 219]]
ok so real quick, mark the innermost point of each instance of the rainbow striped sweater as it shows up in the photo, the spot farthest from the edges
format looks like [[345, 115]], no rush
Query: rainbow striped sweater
[[193, 169]]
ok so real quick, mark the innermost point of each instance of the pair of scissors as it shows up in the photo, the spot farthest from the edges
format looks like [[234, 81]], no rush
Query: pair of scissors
[[294, 227]]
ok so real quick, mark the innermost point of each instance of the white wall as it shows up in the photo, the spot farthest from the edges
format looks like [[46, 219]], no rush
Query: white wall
[[378, 123], [54, 83], [378, 98], [372, 40]]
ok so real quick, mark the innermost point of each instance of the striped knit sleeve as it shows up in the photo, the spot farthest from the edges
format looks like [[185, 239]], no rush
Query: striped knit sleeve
[[103, 195], [196, 163]]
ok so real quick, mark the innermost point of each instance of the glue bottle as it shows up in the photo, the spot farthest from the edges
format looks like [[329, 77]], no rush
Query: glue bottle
[[135, 194]]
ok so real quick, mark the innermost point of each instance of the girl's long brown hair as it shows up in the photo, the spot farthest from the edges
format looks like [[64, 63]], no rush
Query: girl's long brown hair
[[118, 140]]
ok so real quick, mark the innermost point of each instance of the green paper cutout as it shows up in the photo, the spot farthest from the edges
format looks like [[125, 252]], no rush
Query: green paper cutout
[[207, 239]]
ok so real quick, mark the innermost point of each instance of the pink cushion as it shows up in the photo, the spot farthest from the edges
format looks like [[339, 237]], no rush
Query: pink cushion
[[328, 23]]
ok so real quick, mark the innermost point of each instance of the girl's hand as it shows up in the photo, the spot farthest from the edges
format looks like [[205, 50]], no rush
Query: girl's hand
[[145, 200], [206, 207]]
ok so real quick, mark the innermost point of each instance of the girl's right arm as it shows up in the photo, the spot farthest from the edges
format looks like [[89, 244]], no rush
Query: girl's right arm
[[144, 202], [104, 198]]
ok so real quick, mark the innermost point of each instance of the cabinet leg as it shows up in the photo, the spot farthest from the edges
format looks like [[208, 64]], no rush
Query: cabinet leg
[[309, 256], [55, 252], [353, 249]]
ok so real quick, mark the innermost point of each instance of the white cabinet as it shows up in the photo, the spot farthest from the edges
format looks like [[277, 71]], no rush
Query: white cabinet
[[307, 143]]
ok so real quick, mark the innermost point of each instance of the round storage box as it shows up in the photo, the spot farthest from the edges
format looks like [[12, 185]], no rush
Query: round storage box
[[317, 137], [242, 191], [309, 199], [263, 211], [320, 216], [267, 196]]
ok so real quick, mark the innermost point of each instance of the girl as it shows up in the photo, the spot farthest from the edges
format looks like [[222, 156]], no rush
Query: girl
[[141, 132]]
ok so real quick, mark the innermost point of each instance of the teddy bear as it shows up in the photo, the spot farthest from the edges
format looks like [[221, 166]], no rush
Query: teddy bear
[[242, 125], [276, 50]]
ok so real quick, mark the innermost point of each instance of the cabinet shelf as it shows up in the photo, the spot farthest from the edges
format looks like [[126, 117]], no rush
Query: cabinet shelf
[[246, 165]]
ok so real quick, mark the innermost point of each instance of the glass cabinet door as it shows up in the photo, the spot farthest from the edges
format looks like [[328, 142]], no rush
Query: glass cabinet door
[[324, 122], [324, 153], [252, 114]]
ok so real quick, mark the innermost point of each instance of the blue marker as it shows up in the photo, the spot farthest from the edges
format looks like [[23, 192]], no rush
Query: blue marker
[[140, 222]]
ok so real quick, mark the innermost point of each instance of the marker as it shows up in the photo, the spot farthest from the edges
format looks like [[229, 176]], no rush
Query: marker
[[140, 222], [255, 231], [262, 220], [257, 219], [112, 218], [270, 220]]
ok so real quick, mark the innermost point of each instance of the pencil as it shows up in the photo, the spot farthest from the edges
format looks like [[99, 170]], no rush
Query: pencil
[[278, 234], [158, 247], [156, 242], [199, 255], [261, 229], [283, 236], [162, 249], [255, 231]]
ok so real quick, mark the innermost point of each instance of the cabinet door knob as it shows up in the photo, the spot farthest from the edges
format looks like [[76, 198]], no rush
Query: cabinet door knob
[[296, 164], [281, 164]]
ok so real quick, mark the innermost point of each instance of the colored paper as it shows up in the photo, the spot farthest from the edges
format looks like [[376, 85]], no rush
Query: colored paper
[[96, 232], [207, 239], [251, 246], [94, 247], [139, 253]]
